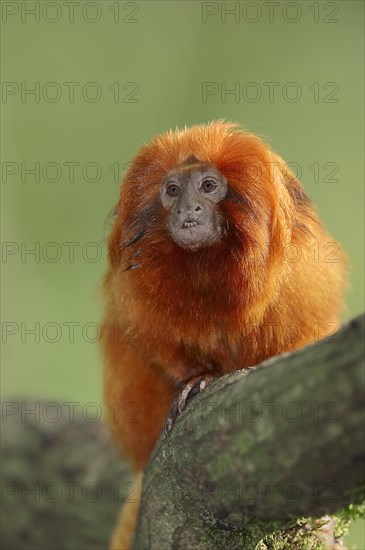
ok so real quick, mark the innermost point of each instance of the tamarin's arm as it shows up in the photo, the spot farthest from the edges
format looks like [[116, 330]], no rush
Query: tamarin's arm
[[137, 396]]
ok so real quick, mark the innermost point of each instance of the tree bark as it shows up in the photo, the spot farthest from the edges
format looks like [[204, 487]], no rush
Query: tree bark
[[281, 441]]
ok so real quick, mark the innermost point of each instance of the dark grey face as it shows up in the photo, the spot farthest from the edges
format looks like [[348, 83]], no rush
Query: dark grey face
[[191, 194]]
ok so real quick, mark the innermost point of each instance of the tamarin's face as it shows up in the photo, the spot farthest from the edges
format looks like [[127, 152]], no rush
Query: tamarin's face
[[214, 189], [191, 194]]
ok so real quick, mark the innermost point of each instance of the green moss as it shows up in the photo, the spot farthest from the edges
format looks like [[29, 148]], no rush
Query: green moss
[[344, 517], [299, 534], [296, 535]]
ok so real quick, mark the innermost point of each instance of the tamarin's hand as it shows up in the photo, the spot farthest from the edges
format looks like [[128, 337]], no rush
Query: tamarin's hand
[[218, 261], [192, 387]]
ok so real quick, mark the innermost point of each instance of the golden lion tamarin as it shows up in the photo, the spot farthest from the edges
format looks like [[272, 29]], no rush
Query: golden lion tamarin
[[217, 260]]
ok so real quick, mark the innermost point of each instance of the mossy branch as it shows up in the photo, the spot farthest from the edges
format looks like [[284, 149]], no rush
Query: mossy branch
[[260, 448]]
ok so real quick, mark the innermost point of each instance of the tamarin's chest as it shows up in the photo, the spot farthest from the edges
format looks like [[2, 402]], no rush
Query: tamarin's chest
[[215, 350]]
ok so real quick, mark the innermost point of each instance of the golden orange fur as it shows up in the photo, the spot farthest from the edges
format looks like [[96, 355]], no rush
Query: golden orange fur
[[272, 284]]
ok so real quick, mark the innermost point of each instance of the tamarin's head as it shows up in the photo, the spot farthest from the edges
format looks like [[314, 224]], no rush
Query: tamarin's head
[[207, 191]]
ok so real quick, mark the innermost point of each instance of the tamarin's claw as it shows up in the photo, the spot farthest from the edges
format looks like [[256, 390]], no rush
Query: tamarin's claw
[[194, 386]]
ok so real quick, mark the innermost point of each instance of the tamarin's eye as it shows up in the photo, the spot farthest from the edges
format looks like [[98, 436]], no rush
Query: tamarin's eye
[[208, 186], [173, 190]]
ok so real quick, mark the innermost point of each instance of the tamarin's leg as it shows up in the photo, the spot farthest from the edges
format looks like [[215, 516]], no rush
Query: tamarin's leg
[[127, 519]]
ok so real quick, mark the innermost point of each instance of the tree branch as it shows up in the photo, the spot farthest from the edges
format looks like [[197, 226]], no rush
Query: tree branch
[[282, 440]]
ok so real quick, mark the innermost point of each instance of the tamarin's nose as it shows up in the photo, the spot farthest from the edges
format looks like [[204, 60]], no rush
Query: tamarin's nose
[[187, 209]]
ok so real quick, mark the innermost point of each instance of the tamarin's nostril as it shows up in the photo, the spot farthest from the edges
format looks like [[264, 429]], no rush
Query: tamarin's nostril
[[197, 208], [178, 211]]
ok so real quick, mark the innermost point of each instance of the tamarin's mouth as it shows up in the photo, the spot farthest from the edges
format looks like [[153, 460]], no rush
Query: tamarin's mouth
[[189, 223]]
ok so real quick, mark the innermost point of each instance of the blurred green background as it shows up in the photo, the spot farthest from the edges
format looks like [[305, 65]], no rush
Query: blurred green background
[[106, 77]]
